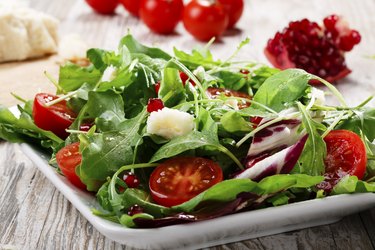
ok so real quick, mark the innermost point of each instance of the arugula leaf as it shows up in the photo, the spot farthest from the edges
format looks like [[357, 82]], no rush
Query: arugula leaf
[[350, 184], [206, 123], [72, 76], [370, 166], [233, 122], [23, 129], [259, 75], [135, 47], [283, 89], [184, 143], [101, 59], [134, 196], [362, 120], [107, 108], [198, 57], [123, 78], [279, 199], [228, 190], [103, 154], [171, 90], [232, 80], [312, 159], [128, 220], [222, 192]]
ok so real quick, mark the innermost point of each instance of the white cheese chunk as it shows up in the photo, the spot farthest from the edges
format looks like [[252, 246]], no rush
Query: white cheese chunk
[[170, 123], [26, 33]]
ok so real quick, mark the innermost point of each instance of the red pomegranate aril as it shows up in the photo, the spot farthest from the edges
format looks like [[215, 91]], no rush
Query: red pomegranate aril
[[157, 87], [348, 41], [255, 120], [317, 49], [131, 180], [154, 104], [330, 22], [184, 77], [244, 71], [135, 209], [85, 127]]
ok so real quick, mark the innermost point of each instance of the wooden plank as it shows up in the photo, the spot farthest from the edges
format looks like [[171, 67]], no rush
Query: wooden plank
[[350, 234], [368, 219]]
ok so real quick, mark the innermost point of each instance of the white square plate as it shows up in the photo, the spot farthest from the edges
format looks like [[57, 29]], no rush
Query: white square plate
[[222, 230]]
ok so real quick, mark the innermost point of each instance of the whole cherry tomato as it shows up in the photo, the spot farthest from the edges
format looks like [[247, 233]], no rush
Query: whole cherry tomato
[[181, 178], [68, 158], [234, 9], [56, 118], [105, 7], [132, 6], [205, 19], [161, 16], [346, 155]]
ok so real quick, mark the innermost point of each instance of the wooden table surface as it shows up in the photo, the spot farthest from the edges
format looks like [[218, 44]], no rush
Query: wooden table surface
[[34, 215]]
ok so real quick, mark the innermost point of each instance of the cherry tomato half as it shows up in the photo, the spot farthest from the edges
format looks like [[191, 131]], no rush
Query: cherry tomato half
[[234, 9], [104, 7], [68, 158], [161, 16], [132, 6], [215, 92], [56, 118], [346, 154], [205, 19], [179, 179]]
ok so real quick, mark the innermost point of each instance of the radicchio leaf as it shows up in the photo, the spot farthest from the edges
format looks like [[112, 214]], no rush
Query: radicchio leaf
[[281, 162], [276, 136]]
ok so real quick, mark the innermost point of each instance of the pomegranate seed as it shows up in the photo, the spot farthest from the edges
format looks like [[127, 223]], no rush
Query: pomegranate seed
[[330, 22], [356, 37], [154, 104], [348, 41], [318, 50], [157, 87], [135, 209], [85, 127], [256, 120], [244, 71], [184, 77], [130, 179]]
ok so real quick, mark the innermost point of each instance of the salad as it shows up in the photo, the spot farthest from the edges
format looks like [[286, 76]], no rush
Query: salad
[[163, 140]]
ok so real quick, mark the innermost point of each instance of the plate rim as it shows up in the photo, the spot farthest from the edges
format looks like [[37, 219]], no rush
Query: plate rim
[[114, 231]]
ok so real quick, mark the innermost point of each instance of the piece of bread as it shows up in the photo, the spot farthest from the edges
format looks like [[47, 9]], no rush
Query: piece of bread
[[26, 33]]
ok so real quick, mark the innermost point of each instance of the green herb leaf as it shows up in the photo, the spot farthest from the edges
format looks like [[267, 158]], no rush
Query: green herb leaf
[[362, 120], [103, 154], [135, 47], [311, 161], [233, 122], [72, 76], [283, 89], [107, 108], [184, 143]]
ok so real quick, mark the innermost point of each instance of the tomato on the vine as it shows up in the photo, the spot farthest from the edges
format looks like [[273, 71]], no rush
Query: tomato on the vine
[[56, 118], [181, 178], [132, 6], [205, 19], [161, 16], [346, 155], [68, 158], [234, 9], [103, 7]]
